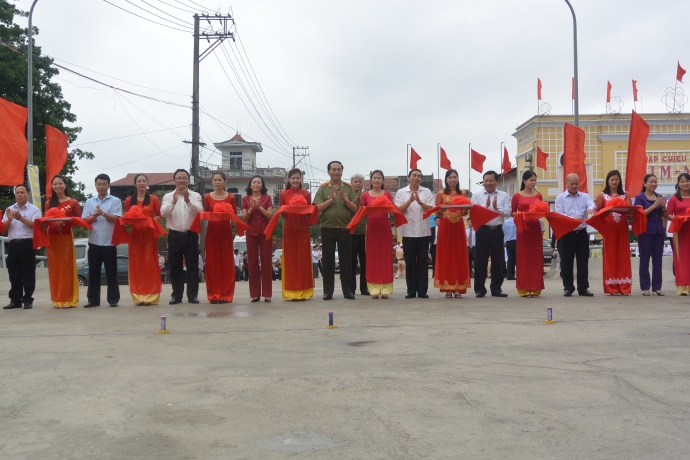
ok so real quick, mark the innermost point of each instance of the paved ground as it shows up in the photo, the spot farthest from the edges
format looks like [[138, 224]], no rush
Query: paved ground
[[437, 378]]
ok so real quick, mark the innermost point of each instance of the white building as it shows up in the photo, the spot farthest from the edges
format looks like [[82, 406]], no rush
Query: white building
[[239, 165]]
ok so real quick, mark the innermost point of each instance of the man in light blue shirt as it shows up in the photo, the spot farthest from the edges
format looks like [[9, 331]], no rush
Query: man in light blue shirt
[[575, 244], [510, 237], [101, 212]]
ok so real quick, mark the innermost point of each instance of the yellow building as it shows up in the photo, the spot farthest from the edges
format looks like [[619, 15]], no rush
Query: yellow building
[[606, 148]]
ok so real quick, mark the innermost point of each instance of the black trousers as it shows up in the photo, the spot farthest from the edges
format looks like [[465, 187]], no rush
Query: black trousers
[[511, 249], [432, 251], [316, 269], [489, 241], [184, 245], [472, 253], [358, 248], [329, 238], [21, 269], [416, 250], [102, 256], [574, 245]]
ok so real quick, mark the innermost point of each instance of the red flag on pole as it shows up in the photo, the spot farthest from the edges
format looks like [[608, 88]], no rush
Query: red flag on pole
[[574, 154], [56, 155], [477, 161], [445, 162], [635, 90], [541, 158], [13, 146], [636, 166], [414, 158], [506, 165], [572, 89], [679, 73], [608, 91], [539, 89]]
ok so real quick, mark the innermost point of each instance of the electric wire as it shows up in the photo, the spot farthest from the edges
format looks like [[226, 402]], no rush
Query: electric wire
[[165, 12], [181, 9], [180, 22], [147, 19], [133, 161], [244, 89], [197, 4], [123, 137]]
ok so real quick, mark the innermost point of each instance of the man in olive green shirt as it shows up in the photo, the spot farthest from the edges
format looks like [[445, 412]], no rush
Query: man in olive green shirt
[[358, 244], [337, 203]]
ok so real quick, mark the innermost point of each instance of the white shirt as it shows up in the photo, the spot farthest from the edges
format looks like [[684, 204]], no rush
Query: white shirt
[[469, 233], [238, 260], [17, 230], [416, 226], [502, 202], [575, 206], [179, 216]]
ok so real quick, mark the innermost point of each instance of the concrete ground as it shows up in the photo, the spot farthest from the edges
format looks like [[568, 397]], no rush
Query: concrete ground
[[437, 378]]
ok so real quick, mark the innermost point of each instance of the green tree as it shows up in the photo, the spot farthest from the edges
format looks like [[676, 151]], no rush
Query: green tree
[[48, 103]]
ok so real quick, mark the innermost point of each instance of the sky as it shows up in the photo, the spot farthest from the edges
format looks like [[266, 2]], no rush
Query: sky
[[355, 81]]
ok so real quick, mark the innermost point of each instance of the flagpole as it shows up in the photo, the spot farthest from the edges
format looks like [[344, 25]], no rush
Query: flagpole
[[575, 79], [407, 158], [438, 161], [469, 168], [502, 172]]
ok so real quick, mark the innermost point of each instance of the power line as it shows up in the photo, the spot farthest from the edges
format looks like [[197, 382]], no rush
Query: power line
[[129, 135], [207, 9], [162, 11], [134, 161], [183, 24], [147, 19], [181, 9]]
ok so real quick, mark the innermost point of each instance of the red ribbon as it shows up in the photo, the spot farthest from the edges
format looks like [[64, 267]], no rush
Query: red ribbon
[[120, 234], [639, 225], [560, 224], [310, 211], [217, 217], [479, 215], [677, 223], [41, 239]]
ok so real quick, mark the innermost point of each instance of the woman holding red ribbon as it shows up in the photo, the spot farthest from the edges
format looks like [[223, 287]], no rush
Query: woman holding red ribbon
[[298, 275], [62, 263], [530, 275], [379, 270], [616, 264], [220, 263], [679, 210], [144, 278], [452, 274], [257, 209]]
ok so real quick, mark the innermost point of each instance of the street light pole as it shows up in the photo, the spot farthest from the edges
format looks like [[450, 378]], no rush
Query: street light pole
[[575, 92], [30, 91]]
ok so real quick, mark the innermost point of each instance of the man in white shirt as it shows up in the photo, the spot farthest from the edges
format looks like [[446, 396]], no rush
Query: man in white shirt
[[315, 256], [21, 258], [179, 209], [238, 265], [489, 237], [471, 236], [413, 201], [575, 244]]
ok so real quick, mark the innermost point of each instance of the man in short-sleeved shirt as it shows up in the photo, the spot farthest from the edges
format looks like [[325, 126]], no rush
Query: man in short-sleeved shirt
[[337, 203], [101, 212]]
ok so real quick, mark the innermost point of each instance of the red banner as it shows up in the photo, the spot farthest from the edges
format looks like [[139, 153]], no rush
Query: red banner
[[13, 146], [541, 158], [56, 155], [477, 161], [574, 154], [414, 158], [445, 162], [636, 166]]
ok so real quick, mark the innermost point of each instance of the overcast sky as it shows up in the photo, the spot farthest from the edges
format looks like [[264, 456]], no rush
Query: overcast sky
[[355, 81]]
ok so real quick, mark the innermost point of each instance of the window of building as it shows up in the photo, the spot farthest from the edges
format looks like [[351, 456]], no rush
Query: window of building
[[234, 160]]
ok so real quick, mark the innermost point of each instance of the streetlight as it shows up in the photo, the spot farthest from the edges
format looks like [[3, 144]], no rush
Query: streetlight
[[30, 92], [575, 92]]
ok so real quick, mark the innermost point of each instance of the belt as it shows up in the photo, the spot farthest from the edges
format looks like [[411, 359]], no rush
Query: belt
[[181, 233], [492, 227], [17, 240]]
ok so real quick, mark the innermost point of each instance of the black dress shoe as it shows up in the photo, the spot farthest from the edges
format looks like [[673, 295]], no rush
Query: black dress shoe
[[327, 296], [349, 296], [91, 305], [267, 299], [174, 301], [256, 299], [481, 294], [499, 294], [28, 306], [365, 293], [113, 305], [410, 296], [194, 300], [423, 296], [11, 306], [510, 279], [213, 302], [585, 293], [221, 301], [568, 292]]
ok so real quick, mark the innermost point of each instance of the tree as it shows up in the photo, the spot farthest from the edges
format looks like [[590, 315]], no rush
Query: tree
[[48, 104]]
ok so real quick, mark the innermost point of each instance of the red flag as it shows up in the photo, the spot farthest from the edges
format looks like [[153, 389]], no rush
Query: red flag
[[445, 162], [574, 154], [414, 158], [572, 89], [477, 161], [541, 158], [636, 167], [13, 146], [506, 165], [679, 73], [56, 155], [539, 89], [608, 91], [635, 90]]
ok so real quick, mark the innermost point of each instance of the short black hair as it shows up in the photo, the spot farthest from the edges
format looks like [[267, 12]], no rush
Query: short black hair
[[104, 177], [335, 161], [490, 173], [181, 170], [413, 170], [22, 185]]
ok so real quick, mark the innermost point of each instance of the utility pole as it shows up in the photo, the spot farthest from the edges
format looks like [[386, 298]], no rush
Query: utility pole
[[219, 35], [295, 154]]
